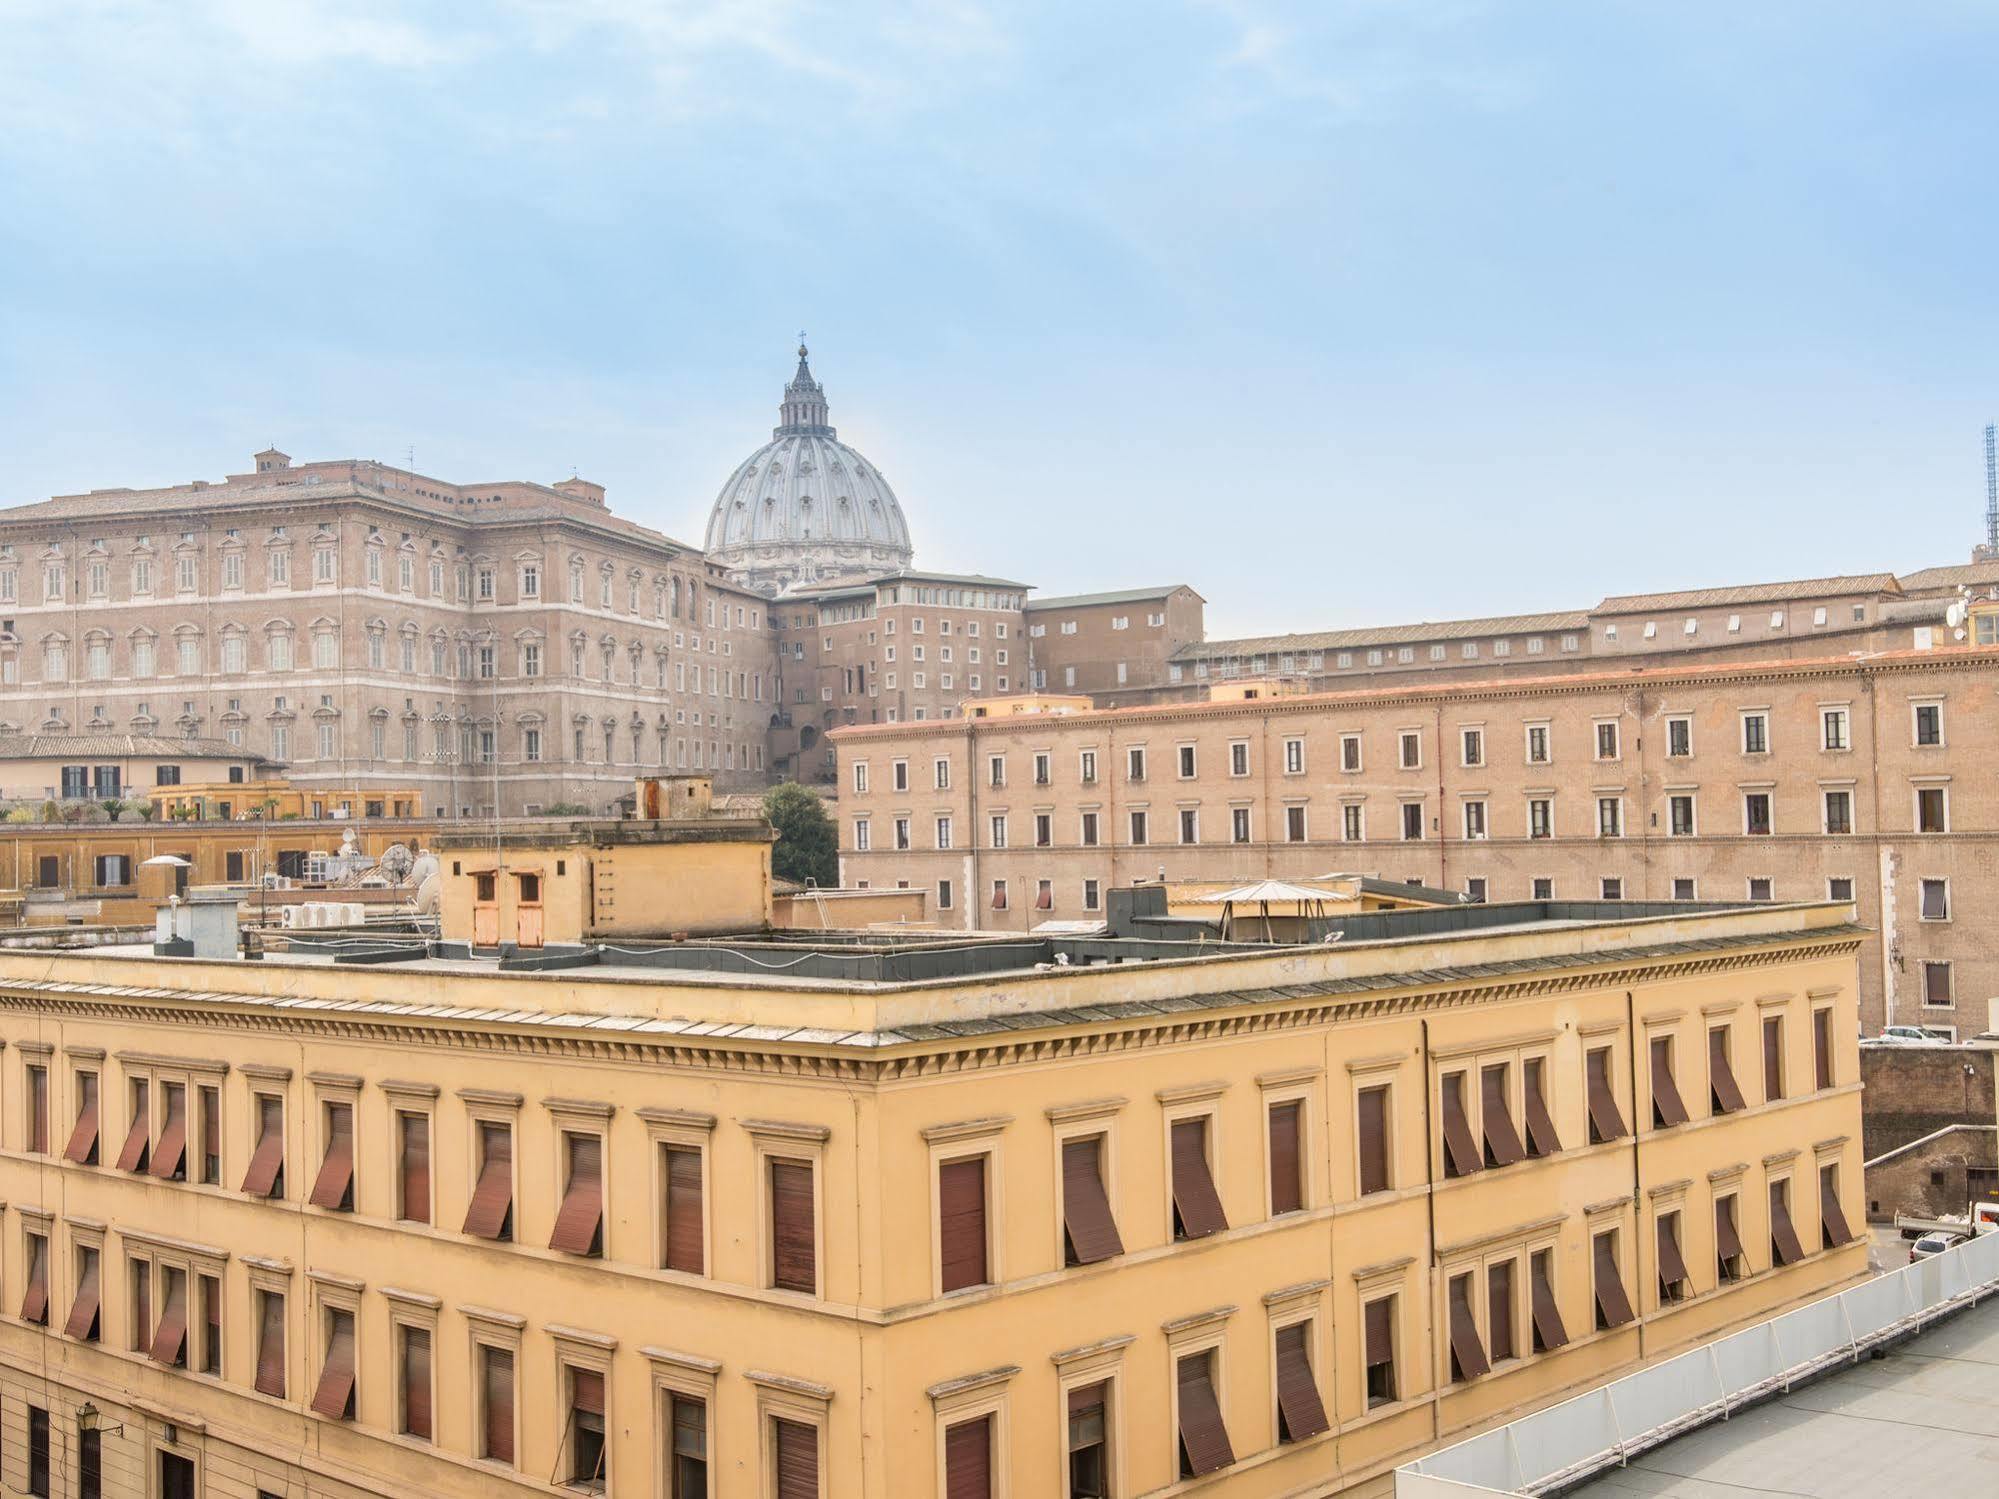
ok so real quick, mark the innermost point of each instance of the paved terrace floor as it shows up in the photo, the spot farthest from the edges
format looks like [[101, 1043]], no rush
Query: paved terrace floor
[[1923, 1419]]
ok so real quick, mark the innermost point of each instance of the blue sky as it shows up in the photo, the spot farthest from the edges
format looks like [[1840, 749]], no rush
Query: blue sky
[[1345, 312]]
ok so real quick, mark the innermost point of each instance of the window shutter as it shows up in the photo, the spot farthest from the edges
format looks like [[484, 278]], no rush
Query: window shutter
[[415, 1207], [1832, 1217], [35, 1302], [586, 1391], [496, 1367], [968, 1458], [1298, 1402], [1667, 1110], [335, 1394], [1380, 1330], [794, 1250], [1784, 1246], [172, 1149], [1547, 1316], [1460, 1150], [83, 1310], [268, 1160], [493, 1195], [1822, 1047], [683, 1210], [333, 1187], [1541, 1137], [961, 1223], [1287, 1188], [1727, 1238], [1721, 1076], [271, 1347], [1467, 1353], [1194, 1196], [1373, 1111], [1612, 1305], [1499, 1312], [1087, 1225], [1502, 1140], [1604, 1119], [581, 1216], [1203, 1437], [1773, 1059], [133, 1156], [171, 1336], [1672, 1267], [82, 1147], [797, 1459], [416, 1382]]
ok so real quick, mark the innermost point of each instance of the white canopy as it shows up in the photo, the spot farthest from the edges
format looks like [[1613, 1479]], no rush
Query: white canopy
[[1266, 892]]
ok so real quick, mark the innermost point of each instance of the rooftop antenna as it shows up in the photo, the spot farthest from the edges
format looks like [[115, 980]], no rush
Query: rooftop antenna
[[411, 454], [1992, 489]]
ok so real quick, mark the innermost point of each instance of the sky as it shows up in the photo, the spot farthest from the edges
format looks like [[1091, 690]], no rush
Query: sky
[[1345, 311]]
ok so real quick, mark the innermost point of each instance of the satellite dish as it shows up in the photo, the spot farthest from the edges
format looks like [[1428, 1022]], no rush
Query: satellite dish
[[1957, 634], [1954, 615]]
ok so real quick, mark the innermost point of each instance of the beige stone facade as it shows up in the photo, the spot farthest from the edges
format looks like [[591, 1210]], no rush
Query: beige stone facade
[[1252, 1227], [1841, 778], [509, 644]]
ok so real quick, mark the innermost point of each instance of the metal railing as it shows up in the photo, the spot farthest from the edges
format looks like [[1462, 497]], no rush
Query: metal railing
[[1607, 1426]]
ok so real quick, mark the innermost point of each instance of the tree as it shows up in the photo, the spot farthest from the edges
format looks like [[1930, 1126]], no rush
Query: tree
[[806, 850]]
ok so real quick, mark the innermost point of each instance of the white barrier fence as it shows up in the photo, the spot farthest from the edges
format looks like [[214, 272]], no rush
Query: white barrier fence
[[1596, 1430]]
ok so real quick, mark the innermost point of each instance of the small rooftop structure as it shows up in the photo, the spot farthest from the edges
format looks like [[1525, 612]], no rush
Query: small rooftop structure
[[1025, 705]]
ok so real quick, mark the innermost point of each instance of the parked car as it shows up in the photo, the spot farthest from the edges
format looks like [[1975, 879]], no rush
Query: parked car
[[1930, 1244], [1915, 1035]]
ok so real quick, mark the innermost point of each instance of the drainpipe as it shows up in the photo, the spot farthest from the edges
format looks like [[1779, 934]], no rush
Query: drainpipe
[[1637, 1189], [1430, 1230], [1443, 833], [971, 892]]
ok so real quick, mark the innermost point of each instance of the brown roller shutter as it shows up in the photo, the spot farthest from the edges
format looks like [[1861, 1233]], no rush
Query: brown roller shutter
[[1298, 1403], [1502, 1140], [35, 1301], [684, 1238], [82, 1147], [271, 1346], [1822, 1047], [586, 1391], [1194, 1199], [580, 1219], [1612, 1305], [797, 1459], [493, 1195], [1604, 1120], [171, 1336], [1667, 1110], [172, 1149], [415, 1166], [968, 1459], [1727, 1237], [416, 1382], [335, 1393], [1672, 1266], [1499, 1311], [961, 1223], [1784, 1246], [132, 1157], [1541, 1137], [333, 1188], [1372, 1107], [267, 1162], [1287, 1190], [38, 1109], [794, 1246], [1467, 1353], [1832, 1217], [1773, 1059], [496, 1371], [1087, 1226], [211, 1135], [1204, 1439], [83, 1311], [1379, 1326], [1461, 1157], [1727, 1097], [1547, 1315]]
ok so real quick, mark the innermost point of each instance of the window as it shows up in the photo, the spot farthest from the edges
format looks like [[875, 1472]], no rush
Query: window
[[1541, 1137], [1674, 1281], [1371, 1118], [1501, 1139], [1285, 1140], [1929, 724], [1606, 740], [1724, 1097], [1044, 829], [333, 1188], [38, 1451], [1932, 810], [1239, 824], [1613, 1306], [334, 1396], [1537, 744], [1087, 767], [38, 1108], [1300, 1411], [1474, 819], [496, 1404], [490, 1214], [1461, 1153], [1759, 888], [412, 1166], [1822, 1047], [1411, 750], [1755, 733], [1784, 1246], [1544, 889], [1540, 817], [1353, 827], [943, 895], [1092, 899], [1935, 900], [1204, 1439], [1089, 1442], [961, 1223], [1605, 1121], [1667, 1109], [1500, 1314], [1833, 1231], [271, 1344], [1135, 763], [1729, 1259], [1756, 812], [1044, 895], [1138, 828], [861, 777], [82, 1146], [794, 1263], [413, 1355], [1549, 1333], [1378, 1323], [1612, 887], [579, 1221], [998, 827], [1190, 825], [1089, 1233], [1833, 729], [1610, 817], [1937, 983], [585, 1443], [1197, 1207], [1412, 821], [1294, 824], [1474, 747], [35, 1299], [135, 1154], [1680, 815], [1350, 752], [1294, 757], [1839, 811], [1468, 1359], [1679, 737], [1185, 756], [687, 1478]]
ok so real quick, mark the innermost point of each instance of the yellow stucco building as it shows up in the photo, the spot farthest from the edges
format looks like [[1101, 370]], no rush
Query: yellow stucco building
[[1034, 1217]]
